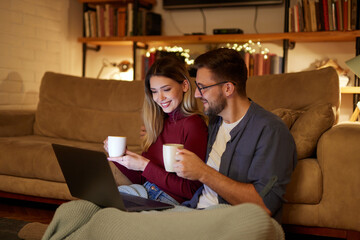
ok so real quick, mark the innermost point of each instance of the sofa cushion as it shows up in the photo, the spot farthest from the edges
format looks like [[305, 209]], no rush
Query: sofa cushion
[[306, 184], [32, 156], [89, 110], [308, 128], [287, 115]]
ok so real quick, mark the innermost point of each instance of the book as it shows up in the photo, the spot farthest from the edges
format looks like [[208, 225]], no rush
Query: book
[[130, 13], [307, 19], [153, 24], [267, 65], [325, 14], [111, 21], [93, 27], [87, 24], [345, 15], [247, 61], [353, 14], [333, 14], [106, 20], [100, 21], [251, 65], [318, 16], [339, 15], [121, 22], [313, 23], [291, 20], [296, 19], [301, 15]]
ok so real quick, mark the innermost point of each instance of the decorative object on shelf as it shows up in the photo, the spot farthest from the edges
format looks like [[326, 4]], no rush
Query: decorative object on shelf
[[122, 71], [343, 77]]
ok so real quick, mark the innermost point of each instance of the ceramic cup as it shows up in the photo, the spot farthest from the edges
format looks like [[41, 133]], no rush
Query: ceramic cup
[[169, 152], [116, 146]]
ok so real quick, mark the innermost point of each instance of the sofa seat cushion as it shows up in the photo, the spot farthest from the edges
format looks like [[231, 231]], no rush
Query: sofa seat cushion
[[32, 156], [306, 185]]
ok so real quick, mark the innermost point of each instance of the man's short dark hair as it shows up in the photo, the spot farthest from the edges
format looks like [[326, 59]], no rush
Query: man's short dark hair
[[226, 65]]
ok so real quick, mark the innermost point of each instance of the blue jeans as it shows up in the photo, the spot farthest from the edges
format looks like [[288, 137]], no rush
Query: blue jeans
[[153, 192]]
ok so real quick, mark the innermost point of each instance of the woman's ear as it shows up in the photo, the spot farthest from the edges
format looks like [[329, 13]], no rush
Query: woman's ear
[[185, 85]]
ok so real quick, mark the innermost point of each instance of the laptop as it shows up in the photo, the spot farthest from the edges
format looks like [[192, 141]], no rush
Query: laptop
[[89, 177]]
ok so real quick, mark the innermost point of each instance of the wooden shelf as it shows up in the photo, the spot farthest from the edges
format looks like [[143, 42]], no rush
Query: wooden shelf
[[350, 90], [329, 36], [145, 2]]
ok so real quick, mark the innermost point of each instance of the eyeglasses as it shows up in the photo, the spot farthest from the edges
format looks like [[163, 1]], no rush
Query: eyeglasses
[[205, 87]]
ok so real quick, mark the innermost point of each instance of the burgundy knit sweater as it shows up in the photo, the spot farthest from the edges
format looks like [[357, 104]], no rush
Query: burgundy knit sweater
[[190, 131]]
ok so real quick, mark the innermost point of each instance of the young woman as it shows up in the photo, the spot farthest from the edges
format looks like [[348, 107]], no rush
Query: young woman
[[170, 115]]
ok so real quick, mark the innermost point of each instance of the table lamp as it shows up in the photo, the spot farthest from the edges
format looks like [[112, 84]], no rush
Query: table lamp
[[123, 70]]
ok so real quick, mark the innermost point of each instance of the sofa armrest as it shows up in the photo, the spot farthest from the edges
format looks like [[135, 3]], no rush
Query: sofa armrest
[[16, 123], [339, 159]]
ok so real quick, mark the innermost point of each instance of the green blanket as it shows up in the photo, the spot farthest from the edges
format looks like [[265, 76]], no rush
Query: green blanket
[[84, 220]]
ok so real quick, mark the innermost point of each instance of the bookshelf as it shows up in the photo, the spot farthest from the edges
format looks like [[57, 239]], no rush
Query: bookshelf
[[329, 36], [289, 39]]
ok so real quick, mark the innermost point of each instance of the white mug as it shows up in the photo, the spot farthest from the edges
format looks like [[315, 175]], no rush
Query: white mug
[[116, 146], [169, 152]]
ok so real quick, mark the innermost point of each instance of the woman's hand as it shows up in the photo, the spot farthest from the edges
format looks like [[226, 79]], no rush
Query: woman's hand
[[131, 161], [106, 145]]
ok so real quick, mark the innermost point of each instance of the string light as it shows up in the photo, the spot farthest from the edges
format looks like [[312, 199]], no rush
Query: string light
[[249, 46], [183, 52]]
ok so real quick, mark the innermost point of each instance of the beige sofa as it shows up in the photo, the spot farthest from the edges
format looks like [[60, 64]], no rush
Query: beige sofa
[[82, 112]]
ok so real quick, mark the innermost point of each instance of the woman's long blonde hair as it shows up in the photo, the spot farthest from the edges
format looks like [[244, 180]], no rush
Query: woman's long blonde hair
[[153, 115]]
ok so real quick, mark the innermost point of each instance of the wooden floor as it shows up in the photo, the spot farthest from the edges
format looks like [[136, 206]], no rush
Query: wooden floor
[[27, 211]]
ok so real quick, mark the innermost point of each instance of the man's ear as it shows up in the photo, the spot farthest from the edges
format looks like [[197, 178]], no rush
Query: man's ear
[[185, 85], [229, 89]]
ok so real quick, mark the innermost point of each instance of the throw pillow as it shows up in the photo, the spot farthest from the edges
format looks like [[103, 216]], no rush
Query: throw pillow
[[308, 128], [287, 115]]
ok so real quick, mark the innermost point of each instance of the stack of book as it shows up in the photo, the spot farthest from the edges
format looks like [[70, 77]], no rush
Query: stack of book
[[106, 20], [323, 15], [262, 64]]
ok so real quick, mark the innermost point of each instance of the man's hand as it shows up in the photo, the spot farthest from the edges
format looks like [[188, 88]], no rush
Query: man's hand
[[189, 165], [131, 161]]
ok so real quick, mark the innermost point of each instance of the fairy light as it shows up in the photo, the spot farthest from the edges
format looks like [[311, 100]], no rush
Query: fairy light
[[249, 47], [183, 52]]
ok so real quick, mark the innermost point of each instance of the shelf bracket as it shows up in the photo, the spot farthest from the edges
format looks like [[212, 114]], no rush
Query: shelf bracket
[[97, 48], [292, 45], [85, 48]]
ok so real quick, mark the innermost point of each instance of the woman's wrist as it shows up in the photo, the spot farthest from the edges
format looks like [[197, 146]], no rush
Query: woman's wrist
[[145, 163]]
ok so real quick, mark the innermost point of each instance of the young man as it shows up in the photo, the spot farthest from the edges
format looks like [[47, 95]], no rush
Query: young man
[[251, 154]]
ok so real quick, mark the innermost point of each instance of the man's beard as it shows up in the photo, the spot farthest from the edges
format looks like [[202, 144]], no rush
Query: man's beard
[[216, 107]]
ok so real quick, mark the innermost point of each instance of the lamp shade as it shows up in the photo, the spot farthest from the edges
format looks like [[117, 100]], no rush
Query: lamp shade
[[354, 65]]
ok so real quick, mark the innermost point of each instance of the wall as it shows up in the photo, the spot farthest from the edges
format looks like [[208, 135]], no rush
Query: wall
[[35, 36]]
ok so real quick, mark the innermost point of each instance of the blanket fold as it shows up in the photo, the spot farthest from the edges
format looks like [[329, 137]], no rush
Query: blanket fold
[[84, 220]]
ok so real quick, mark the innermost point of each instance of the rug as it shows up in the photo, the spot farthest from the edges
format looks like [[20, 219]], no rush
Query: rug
[[9, 228]]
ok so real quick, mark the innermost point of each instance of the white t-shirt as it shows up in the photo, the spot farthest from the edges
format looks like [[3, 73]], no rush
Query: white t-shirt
[[208, 196]]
